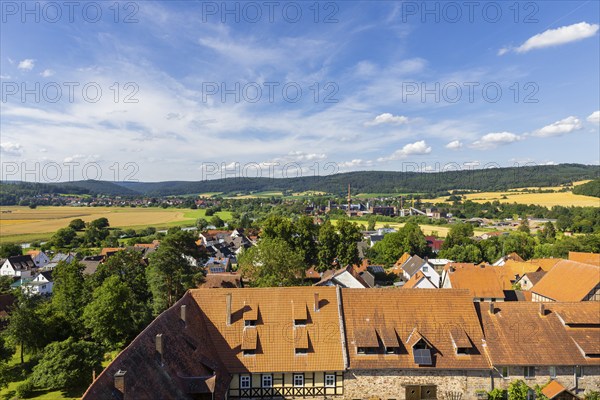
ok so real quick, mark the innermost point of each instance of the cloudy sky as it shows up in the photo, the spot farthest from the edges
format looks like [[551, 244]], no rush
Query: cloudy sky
[[183, 90]]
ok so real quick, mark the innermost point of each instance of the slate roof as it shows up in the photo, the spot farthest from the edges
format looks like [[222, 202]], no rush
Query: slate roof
[[413, 265], [21, 263], [568, 281], [411, 315]]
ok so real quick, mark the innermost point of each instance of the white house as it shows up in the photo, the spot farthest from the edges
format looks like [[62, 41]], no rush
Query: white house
[[19, 266], [41, 284], [420, 281], [417, 264], [40, 259]]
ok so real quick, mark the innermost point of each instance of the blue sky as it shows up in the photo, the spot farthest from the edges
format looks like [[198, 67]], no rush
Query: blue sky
[[200, 90]]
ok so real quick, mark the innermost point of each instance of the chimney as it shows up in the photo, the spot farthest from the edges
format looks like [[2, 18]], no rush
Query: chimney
[[542, 309], [159, 343], [182, 313], [228, 308], [120, 382], [316, 301], [492, 307]]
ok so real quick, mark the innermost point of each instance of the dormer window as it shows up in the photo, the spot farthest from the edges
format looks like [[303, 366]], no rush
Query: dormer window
[[249, 352], [300, 322], [300, 313], [425, 268], [250, 322], [301, 351], [250, 315], [392, 350], [366, 350], [422, 352], [462, 351]]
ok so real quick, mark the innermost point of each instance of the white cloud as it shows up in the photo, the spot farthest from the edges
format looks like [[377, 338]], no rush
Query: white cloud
[[387, 118], [411, 149], [558, 128], [555, 37], [27, 64], [454, 145], [492, 140], [11, 149], [594, 117], [47, 73], [355, 163]]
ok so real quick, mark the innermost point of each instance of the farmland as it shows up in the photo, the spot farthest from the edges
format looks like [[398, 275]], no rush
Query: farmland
[[24, 224], [565, 199]]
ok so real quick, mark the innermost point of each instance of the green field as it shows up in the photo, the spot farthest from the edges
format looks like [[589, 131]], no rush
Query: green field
[[23, 225]]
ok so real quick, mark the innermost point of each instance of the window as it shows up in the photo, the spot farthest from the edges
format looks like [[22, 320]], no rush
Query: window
[[391, 350], [299, 322], [298, 380], [329, 380], [504, 372], [425, 268], [267, 381], [250, 352], [579, 372], [245, 381], [301, 351], [552, 372], [249, 322], [366, 350], [529, 372], [462, 351]]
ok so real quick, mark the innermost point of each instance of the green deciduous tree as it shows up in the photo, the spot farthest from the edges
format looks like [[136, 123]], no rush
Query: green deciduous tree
[[10, 249], [350, 235], [67, 364], [63, 237], [272, 263], [327, 247], [69, 293], [111, 316], [25, 326], [77, 224], [460, 234]]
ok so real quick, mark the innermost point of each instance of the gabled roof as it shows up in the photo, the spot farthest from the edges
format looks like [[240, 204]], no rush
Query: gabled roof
[[21, 263], [222, 280], [413, 265], [481, 281], [553, 389], [534, 277], [568, 281], [416, 279], [519, 268], [545, 263], [586, 258], [412, 315], [517, 334], [275, 328]]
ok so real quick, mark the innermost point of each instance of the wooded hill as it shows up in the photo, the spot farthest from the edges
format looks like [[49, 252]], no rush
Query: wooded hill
[[496, 179]]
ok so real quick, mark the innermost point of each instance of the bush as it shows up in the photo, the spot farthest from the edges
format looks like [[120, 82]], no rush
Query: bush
[[592, 395], [25, 389], [497, 394]]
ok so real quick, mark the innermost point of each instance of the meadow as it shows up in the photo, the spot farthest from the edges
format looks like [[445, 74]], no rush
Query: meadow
[[549, 200], [22, 224]]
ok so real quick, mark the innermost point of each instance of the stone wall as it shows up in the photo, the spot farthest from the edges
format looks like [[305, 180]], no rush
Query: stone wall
[[391, 384], [564, 375]]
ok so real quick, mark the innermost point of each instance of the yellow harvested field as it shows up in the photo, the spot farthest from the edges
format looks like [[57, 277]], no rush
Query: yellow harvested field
[[23, 220], [543, 199], [437, 230]]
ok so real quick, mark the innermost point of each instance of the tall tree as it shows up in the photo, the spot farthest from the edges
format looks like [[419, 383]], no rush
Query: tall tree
[[460, 234], [170, 273], [304, 238], [111, 316], [25, 327], [272, 263], [328, 245], [348, 246], [67, 364], [69, 293]]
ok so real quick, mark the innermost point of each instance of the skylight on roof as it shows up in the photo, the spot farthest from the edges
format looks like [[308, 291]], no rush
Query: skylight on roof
[[422, 356]]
